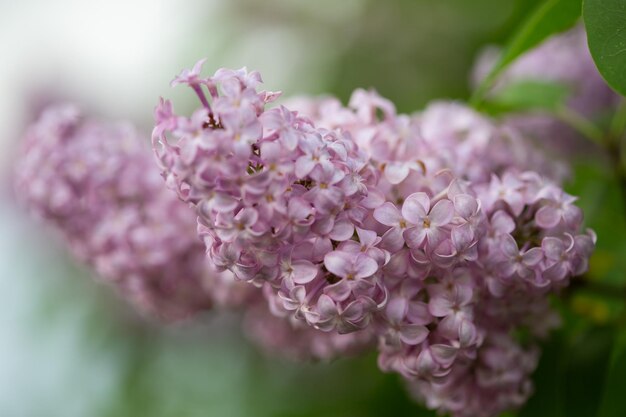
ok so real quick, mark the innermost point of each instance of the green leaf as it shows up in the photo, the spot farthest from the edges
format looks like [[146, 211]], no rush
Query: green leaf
[[586, 359], [569, 381], [546, 400], [613, 404], [529, 95], [553, 16], [605, 21]]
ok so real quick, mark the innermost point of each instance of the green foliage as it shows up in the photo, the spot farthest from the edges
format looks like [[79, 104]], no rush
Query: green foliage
[[414, 51], [613, 403], [601, 201], [527, 96], [553, 16], [605, 21]]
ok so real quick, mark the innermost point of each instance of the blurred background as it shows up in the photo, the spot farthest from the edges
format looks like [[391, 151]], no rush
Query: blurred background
[[68, 347]]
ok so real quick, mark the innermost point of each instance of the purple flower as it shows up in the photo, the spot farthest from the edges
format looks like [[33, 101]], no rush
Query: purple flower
[[299, 271], [556, 208], [97, 186], [428, 224], [367, 244], [281, 121], [346, 265], [315, 153], [520, 262], [410, 333]]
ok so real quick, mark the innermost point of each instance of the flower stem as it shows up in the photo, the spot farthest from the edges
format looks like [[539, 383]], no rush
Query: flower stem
[[582, 125]]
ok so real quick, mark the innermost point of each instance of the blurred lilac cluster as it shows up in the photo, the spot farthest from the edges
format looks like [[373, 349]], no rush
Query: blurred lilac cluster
[[97, 185], [436, 238], [564, 59], [425, 230]]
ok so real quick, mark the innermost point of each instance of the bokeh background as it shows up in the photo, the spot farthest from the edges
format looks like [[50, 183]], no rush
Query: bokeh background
[[69, 347]]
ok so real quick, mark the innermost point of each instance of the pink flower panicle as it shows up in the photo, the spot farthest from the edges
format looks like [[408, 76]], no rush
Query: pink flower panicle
[[499, 239], [424, 229], [275, 197], [96, 184]]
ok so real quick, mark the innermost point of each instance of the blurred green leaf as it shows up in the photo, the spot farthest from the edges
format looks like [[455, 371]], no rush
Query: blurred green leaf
[[526, 96], [553, 16], [586, 359], [605, 21], [601, 201], [400, 47], [546, 401], [570, 378], [521, 10], [613, 402]]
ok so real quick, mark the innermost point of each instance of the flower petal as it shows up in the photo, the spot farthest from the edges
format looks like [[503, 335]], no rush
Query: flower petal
[[303, 271], [547, 217], [416, 207], [396, 172], [442, 213], [414, 236], [532, 256], [396, 309], [338, 263], [465, 205], [338, 291], [365, 267], [388, 214], [413, 334], [508, 246]]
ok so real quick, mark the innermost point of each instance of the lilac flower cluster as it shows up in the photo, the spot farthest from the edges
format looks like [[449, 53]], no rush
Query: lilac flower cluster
[[277, 199], [496, 380], [278, 333], [565, 59], [424, 229], [450, 136], [97, 185], [467, 281]]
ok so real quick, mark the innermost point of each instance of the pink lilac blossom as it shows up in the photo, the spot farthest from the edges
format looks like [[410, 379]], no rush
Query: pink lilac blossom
[[497, 379], [445, 136], [563, 58], [279, 334], [272, 193], [96, 184], [424, 229]]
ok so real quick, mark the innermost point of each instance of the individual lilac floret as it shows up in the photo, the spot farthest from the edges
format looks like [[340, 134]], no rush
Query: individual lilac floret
[[564, 59], [96, 184]]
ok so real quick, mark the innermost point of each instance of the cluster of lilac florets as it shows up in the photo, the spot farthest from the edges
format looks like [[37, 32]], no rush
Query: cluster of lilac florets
[[428, 230], [97, 185]]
